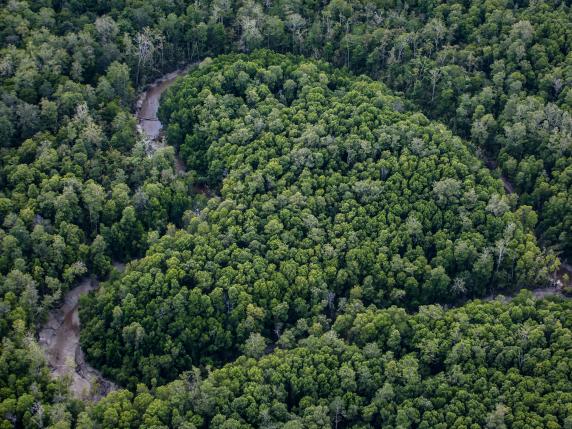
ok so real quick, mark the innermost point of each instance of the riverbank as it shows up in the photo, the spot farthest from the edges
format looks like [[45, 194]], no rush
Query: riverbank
[[60, 340], [148, 124]]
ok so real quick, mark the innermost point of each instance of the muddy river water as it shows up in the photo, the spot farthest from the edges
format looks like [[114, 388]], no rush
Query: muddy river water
[[147, 108], [148, 104], [60, 340]]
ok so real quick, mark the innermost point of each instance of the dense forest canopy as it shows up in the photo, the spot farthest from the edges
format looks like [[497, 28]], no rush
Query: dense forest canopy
[[349, 194], [326, 188], [485, 365]]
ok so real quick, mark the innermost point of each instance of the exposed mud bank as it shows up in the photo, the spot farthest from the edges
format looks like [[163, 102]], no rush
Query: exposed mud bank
[[147, 108], [60, 340]]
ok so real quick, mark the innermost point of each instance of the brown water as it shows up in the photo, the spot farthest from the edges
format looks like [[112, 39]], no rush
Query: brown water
[[148, 105], [60, 340], [147, 108]]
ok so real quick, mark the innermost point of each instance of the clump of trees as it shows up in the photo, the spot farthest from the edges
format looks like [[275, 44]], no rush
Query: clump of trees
[[78, 188], [327, 189], [484, 365]]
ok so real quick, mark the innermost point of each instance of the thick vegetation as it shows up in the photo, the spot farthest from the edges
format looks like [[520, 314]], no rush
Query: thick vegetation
[[77, 189], [490, 365], [326, 189], [498, 72], [331, 190]]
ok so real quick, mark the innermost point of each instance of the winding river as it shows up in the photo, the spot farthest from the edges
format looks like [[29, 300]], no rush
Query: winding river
[[59, 336]]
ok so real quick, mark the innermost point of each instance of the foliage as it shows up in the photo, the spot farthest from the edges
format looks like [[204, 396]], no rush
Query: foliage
[[331, 190], [482, 365], [326, 189]]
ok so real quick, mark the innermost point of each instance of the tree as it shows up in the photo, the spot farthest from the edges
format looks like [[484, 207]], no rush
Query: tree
[[148, 44], [93, 196], [254, 346], [100, 263]]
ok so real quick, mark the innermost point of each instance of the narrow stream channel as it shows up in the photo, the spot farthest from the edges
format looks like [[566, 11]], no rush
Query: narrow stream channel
[[59, 337], [147, 108], [60, 340]]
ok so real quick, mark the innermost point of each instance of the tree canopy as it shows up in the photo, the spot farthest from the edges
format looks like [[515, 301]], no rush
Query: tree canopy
[[348, 195], [484, 365], [327, 188]]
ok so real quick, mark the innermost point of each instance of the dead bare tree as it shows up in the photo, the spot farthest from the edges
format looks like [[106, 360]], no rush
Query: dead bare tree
[[148, 43]]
